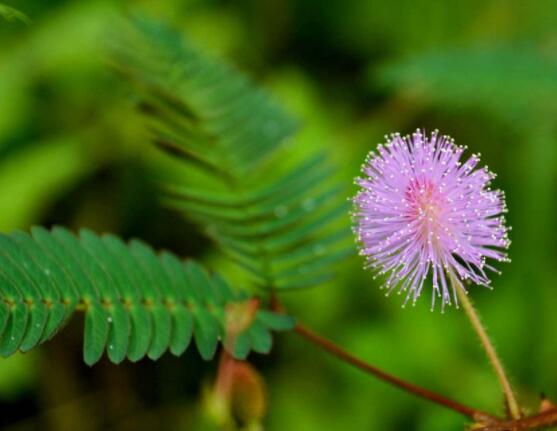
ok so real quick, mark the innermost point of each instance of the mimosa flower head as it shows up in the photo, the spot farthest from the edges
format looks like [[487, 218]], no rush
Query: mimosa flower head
[[422, 216]]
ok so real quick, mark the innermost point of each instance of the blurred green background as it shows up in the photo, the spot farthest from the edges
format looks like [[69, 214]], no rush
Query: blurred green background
[[73, 151]]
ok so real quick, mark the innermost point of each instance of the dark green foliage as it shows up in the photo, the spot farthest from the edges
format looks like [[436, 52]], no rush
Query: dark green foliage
[[11, 14], [136, 303], [284, 225]]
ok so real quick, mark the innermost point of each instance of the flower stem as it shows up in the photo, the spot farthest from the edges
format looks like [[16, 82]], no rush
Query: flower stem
[[343, 355], [512, 404]]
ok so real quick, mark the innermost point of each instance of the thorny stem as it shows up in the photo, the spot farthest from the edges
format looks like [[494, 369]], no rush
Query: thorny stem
[[510, 398], [330, 347]]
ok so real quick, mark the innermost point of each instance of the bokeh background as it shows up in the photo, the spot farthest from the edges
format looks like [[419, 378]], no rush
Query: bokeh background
[[73, 151]]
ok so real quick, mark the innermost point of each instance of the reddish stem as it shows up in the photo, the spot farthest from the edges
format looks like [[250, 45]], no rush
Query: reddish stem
[[540, 421], [343, 355]]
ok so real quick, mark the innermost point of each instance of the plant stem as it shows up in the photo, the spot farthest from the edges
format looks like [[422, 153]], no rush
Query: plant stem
[[540, 421], [436, 398], [512, 404]]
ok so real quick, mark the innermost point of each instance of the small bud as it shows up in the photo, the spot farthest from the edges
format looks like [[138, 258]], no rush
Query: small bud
[[239, 396]]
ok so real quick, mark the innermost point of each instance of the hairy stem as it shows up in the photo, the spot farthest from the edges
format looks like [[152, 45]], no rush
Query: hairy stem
[[512, 404], [411, 388]]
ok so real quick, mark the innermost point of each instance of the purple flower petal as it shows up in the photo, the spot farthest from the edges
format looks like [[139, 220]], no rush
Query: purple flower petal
[[422, 214]]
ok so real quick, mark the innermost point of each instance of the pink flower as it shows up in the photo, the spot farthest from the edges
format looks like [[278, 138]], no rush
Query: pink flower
[[422, 214]]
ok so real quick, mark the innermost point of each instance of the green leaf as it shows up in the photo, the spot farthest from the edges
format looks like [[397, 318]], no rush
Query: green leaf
[[11, 14], [136, 302], [96, 333], [260, 338], [4, 316], [481, 77], [242, 345], [15, 330], [257, 206], [46, 273], [278, 322]]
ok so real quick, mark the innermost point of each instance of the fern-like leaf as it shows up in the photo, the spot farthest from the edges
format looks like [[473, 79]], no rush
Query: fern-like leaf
[[136, 303], [285, 229]]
